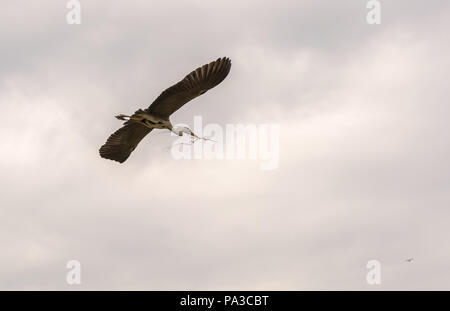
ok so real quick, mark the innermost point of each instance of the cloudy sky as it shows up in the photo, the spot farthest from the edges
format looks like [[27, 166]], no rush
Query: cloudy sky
[[364, 165]]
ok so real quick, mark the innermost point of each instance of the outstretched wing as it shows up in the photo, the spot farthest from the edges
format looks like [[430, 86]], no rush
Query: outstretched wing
[[194, 84], [119, 145]]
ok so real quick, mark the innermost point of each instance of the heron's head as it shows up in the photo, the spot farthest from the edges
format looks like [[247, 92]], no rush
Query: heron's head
[[179, 130]]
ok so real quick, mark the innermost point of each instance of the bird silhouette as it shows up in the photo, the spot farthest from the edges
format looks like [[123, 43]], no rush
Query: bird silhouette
[[121, 143]]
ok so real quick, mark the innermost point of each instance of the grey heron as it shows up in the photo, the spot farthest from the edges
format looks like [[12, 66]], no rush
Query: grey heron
[[121, 143]]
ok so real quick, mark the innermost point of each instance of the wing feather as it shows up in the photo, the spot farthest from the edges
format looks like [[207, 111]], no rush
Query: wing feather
[[193, 85], [121, 143]]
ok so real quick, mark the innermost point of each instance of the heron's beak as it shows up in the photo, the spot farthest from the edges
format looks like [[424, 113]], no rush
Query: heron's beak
[[193, 134]]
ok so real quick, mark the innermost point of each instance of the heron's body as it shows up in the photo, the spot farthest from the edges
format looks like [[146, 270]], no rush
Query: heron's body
[[150, 120], [120, 144]]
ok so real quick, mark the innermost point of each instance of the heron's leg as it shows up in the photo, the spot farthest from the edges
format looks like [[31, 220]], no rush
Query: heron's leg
[[123, 117], [136, 118]]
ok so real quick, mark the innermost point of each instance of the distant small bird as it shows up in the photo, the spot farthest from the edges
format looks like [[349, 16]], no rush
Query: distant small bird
[[409, 260], [120, 144]]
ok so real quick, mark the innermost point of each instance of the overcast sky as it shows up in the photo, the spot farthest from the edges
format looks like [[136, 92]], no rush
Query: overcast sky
[[364, 167]]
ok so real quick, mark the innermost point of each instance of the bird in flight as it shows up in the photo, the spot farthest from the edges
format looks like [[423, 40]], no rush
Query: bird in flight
[[409, 260], [121, 143]]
